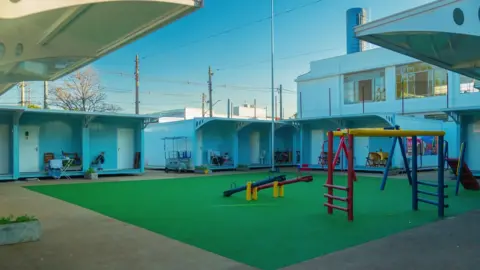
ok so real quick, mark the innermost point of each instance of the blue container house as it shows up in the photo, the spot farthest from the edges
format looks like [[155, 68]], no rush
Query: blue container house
[[32, 137]]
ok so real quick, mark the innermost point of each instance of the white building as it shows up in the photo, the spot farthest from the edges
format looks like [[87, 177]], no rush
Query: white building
[[248, 110], [380, 81], [239, 112]]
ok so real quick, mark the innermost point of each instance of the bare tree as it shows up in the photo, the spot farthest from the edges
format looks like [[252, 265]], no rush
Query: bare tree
[[81, 91]]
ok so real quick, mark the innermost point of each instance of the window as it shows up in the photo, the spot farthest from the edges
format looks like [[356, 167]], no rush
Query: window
[[469, 85], [379, 89], [368, 86], [419, 80]]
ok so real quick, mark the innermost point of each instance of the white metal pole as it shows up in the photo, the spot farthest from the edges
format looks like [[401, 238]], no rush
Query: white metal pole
[[272, 41]]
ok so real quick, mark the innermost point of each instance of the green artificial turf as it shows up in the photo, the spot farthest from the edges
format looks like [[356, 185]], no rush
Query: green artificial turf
[[269, 233]]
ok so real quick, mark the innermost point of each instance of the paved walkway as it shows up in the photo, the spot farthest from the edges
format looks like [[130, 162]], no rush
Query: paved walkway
[[451, 244], [75, 238]]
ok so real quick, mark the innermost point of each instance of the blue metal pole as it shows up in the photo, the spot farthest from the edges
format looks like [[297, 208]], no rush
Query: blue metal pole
[[405, 160], [441, 179], [389, 164], [414, 174]]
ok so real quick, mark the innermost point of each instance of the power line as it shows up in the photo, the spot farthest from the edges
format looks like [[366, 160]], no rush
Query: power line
[[245, 88], [278, 59], [238, 27], [203, 84]]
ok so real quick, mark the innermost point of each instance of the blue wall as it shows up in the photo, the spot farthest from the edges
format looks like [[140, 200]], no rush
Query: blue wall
[[61, 131], [373, 144], [314, 148], [244, 149], [154, 145], [57, 133], [218, 136], [103, 138], [417, 123], [6, 119], [284, 138], [470, 129], [451, 135]]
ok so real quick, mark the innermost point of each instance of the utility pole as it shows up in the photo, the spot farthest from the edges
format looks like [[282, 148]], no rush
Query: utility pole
[[255, 108], [45, 95], [228, 108], [276, 109], [22, 94], [203, 104], [281, 101], [210, 100], [137, 85]]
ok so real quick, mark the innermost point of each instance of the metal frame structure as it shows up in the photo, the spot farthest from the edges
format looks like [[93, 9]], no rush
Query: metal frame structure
[[175, 161], [393, 133]]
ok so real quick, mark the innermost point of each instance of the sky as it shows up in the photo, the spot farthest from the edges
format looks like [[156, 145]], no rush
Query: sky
[[233, 37]]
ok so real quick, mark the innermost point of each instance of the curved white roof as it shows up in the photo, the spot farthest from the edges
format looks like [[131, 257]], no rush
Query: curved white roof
[[42, 40], [444, 33]]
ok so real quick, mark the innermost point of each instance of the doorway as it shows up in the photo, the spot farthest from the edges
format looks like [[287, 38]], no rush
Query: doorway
[[255, 147], [29, 137], [316, 143], [125, 148], [361, 150]]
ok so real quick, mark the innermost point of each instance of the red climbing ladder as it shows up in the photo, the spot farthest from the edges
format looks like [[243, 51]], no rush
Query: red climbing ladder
[[466, 177], [330, 185]]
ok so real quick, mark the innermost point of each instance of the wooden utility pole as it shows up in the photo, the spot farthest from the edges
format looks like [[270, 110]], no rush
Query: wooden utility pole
[[210, 100], [22, 94], [203, 104], [45, 95], [228, 108], [137, 85]]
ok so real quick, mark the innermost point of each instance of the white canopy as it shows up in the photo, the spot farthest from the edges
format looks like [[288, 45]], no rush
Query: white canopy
[[42, 40], [445, 33]]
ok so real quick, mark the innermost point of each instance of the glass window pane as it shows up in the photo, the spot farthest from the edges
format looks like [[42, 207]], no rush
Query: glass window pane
[[362, 86]]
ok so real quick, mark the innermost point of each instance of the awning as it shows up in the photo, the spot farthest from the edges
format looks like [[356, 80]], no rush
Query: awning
[[45, 40], [353, 121], [444, 33], [465, 111]]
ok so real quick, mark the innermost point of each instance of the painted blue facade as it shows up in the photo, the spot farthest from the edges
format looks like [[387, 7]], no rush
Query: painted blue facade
[[32, 134], [312, 134], [246, 142]]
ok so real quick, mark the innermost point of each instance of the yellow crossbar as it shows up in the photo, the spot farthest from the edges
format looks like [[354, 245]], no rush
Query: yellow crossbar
[[360, 132]]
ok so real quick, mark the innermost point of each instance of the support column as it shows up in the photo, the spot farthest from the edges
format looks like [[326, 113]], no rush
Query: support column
[[460, 134], [294, 147], [193, 149], [414, 174], [441, 178], [15, 148], [235, 149], [301, 144], [141, 148], [86, 159]]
